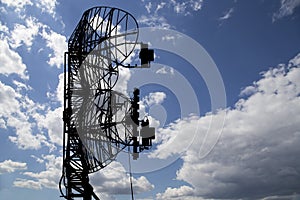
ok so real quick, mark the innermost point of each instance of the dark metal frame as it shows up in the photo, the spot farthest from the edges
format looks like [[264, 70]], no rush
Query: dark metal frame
[[91, 36]]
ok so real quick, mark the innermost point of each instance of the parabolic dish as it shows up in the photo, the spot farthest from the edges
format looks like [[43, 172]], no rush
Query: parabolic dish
[[106, 40]]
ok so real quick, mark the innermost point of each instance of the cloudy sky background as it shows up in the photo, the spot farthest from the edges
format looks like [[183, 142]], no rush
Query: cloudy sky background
[[255, 45]]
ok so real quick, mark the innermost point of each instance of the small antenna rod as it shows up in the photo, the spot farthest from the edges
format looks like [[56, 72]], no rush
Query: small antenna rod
[[130, 175]]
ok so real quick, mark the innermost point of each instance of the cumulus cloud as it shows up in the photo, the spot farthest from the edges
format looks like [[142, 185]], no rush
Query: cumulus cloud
[[19, 113], [57, 43], [47, 6], [9, 103], [9, 166], [177, 193], [287, 8], [150, 107], [257, 154], [48, 178], [12, 106], [3, 28], [24, 183], [11, 61], [32, 123], [58, 94], [52, 122], [295, 61], [17, 5], [24, 34], [21, 86], [155, 98], [114, 180], [124, 76], [51, 119], [17, 109], [24, 116]]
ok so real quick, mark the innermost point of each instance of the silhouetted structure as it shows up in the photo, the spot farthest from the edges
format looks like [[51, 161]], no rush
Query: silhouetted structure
[[98, 121]]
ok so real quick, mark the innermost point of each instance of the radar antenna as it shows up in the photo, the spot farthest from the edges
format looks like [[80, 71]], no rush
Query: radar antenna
[[99, 121]]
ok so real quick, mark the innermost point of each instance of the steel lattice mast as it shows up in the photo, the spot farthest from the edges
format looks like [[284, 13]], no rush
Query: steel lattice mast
[[103, 39]]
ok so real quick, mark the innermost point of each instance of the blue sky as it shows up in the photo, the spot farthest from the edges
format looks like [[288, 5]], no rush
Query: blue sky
[[247, 147]]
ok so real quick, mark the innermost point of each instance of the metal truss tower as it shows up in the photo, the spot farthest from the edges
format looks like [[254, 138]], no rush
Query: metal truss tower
[[99, 122]]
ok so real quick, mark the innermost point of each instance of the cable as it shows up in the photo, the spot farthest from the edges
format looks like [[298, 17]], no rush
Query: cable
[[60, 189], [130, 174]]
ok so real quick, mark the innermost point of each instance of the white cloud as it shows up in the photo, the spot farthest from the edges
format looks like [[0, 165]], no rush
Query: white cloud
[[155, 98], [22, 34], [114, 180], [16, 111], [175, 135], [295, 61], [165, 70], [11, 61], [60, 89], [9, 103], [179, 7], [48, 178], [52, 122], [3, 28], [176, 193], [160, 6], [287, 8], [257, 154], [283, 197], [148, 7], [184, 7], [39, 160], [154, 21], [3, 124], [249, 90], [9, 166], [25, 139], [58, 44], [20, 7], [21, 86], [58, 95], [196, 5], [124, 76], [161, 71], [24, 183], [47, 6], [168, 38], [150, 107], [17, 5], [227, 14]]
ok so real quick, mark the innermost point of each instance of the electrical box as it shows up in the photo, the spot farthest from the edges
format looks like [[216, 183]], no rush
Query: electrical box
[[148, 134], [146, 56]]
